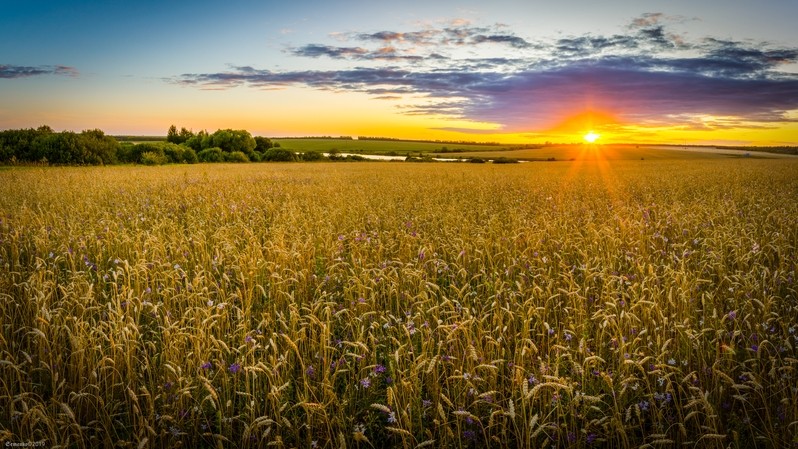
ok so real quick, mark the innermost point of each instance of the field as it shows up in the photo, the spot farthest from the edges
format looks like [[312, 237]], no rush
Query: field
[[380, 146], [549, 152], [586, 304]]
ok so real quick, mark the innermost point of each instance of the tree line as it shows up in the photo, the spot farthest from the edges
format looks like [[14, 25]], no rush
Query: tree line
[[93, 147]]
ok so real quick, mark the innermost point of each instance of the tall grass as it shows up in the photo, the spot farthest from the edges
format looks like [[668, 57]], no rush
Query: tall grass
[[431, 305]]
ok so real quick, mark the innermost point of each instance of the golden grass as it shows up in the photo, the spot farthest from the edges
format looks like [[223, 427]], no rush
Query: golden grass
[[408, 305]]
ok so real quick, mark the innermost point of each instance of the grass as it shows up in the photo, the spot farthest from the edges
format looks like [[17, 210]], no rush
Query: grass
[[411, 305]]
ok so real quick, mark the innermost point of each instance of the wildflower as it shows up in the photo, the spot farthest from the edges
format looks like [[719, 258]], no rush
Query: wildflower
[[234, 368], [571, 437], [671, 361], [379, 369], [310, 371], [360, 428], [469, 435], [732, 315], [643, 405], [591, 438], [365, 382], [392, 418], [248, 339], [568, 336]]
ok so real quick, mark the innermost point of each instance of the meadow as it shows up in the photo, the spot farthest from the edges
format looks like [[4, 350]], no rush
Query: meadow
[[569, 304]]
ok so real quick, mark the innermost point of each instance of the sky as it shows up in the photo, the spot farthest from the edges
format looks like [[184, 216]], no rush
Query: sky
[[698, 72]]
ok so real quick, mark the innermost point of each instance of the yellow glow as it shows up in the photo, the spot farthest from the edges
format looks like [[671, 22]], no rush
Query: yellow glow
[[591, 137]]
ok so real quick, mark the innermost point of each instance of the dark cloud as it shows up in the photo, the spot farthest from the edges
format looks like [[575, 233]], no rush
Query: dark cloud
[[649, 76], [387, 53], [18, 71], [513, 41], [315, 51]]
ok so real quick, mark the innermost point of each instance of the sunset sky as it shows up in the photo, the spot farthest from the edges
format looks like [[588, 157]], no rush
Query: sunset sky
[[717, 71]]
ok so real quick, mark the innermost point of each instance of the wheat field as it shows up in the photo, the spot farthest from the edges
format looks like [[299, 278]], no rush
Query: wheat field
[[585, 304]]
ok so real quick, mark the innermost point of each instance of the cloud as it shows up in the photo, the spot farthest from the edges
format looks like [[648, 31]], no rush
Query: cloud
[[18, 71], [314, 51], [648, 75]]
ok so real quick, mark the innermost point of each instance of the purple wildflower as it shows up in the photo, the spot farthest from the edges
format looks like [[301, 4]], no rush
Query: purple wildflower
[[234, 368], [365, 382], [379, 369], [207, 365]]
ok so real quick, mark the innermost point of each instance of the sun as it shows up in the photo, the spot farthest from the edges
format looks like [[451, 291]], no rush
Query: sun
[[591, 137]]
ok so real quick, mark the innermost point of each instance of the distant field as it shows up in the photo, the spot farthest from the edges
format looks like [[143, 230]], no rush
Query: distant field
[[381, 146], [556, 152], [598, 152]]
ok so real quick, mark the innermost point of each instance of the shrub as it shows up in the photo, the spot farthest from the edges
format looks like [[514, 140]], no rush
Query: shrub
[[173, 152], [236, 156], [310, 156], [153, 158], [214, 154], [278, 155], [190, 156], [505, 160]]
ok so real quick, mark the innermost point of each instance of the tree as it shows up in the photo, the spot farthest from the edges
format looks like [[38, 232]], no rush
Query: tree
[[230, 140], [172, 135], [262, 144]]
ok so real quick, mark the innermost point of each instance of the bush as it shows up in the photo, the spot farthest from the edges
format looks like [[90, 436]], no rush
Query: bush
[[310, 156], [173, 152], [190, 156], [214, 154], [153, 158], [278, 155], [505, 160], [236, 156], [476, 160]]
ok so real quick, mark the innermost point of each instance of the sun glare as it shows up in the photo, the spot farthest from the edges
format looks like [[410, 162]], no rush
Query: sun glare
[[591, 137]]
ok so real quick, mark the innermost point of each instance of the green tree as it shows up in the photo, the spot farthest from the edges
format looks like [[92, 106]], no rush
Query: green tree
[[172, 135], [230, 140], [262, 144]]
